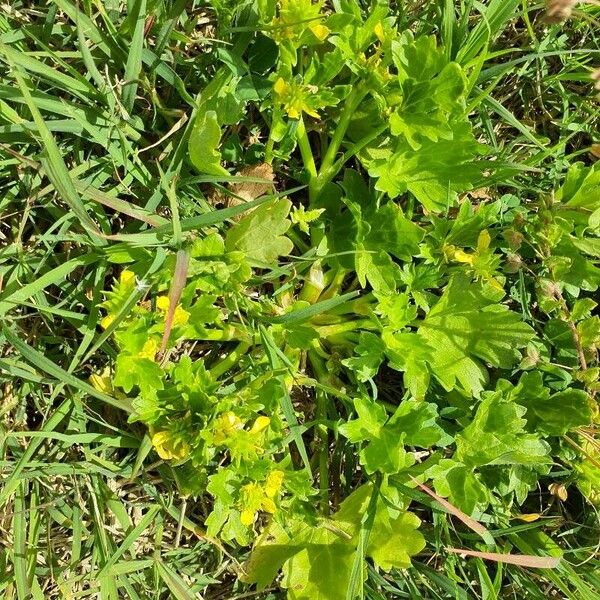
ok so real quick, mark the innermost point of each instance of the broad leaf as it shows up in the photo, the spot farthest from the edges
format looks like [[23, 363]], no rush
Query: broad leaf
[[203, 144], [497, 436], [466, 327], [261, 233]]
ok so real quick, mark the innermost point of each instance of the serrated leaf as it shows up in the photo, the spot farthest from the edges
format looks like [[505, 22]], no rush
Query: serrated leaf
[[321, 569], [369, 354], [467, 326], [435, 174], [135, 370], [261, 233], [460, 484], [554, 414], [497, 436], [413, 423], [393, 540]]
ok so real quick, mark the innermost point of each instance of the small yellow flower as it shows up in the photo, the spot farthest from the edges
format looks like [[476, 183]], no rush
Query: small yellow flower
[[225, 426], [127, 278], [294, 97], [162, 303], [149, 349], [107, 321], [256, 498], [260, 424], [180, 317], [319, 31], [102, 381], [379, 32], [273, 483], [247, 517], [169, 446]]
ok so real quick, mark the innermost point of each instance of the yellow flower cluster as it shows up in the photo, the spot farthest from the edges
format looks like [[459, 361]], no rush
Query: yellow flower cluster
[[124, 287], [295, 17], [257, 497], [180, 316], [227, 424], [294, 97], [170, 446]]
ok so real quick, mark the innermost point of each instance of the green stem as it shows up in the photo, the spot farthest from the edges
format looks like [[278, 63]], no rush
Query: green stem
[[269, 149], [228, 334], [306, 150], [230, 360], [321, 433], [329, 166], [313, 284], [325, 331], [336, 284]]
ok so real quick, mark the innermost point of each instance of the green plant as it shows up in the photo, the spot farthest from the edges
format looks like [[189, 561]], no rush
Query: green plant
[[389, 328]]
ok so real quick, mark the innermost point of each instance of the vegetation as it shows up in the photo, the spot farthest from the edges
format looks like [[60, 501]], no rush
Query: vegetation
[[299, 299]]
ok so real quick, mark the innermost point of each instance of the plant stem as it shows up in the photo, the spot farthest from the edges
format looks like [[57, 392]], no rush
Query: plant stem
[[230, 360], [321, 433], [306, 150], [329, 167], [345, 326]]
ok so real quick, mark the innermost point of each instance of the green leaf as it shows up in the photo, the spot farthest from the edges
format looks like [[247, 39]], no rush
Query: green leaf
[[465, 325], [497, 436], [317, 559], [554, 414], [377, 268], [460, 484], [273, 548], [393, 540], [133, 370], [261, 233], [418, 421], [321, 569], [413, 423], [435, 174], [432, 151], [582, 187], [370, 353], [203, 144], [366, 236], [371, 417], [391, 231]]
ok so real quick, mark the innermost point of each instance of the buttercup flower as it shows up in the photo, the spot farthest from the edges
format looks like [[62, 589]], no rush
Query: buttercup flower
[[170, 446], [180, 316], [256, 497]]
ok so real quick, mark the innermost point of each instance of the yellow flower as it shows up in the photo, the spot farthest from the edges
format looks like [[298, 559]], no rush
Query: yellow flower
[[379, 31], [260, 424], [127, 278], [295, 17], [273, 483], [457, 254], [180, 316], [319, 31], [169, 446], [106, 321], [294, 97], [149, 349], [247, 517], [225, 426], [102, 381], [256, 498], [117, 297]]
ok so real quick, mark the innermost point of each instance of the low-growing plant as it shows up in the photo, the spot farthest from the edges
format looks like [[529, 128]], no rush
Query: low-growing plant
[[344, 297], [367, 325]]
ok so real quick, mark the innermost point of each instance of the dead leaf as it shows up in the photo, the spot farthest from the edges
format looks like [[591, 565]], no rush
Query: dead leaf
[[522, 560], [459, 514]]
